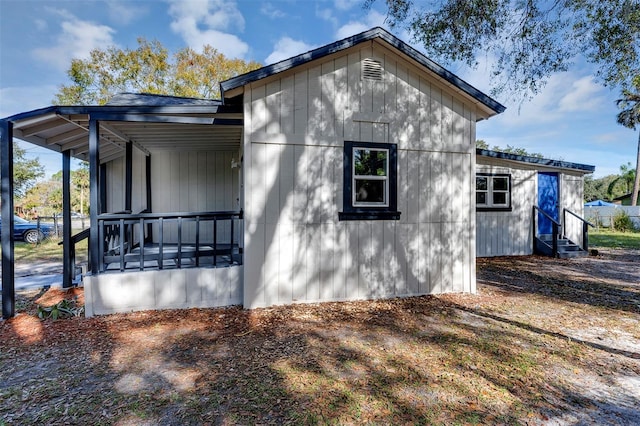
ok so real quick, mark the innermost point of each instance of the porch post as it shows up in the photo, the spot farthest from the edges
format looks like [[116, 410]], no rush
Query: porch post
[[103, 189], [95, 251], [147, 172], [6, 178], [128, 165], [67, 261]]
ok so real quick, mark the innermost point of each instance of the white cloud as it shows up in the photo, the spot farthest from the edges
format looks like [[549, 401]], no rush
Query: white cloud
[[287, 47], [76, 40], [345, 4], [370, 20], [40, 24], [125, 12], [270, 11], [327, 15], [201, 22], [584, 95]]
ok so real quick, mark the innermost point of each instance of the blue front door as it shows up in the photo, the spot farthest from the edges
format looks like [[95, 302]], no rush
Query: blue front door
[[547, 201]]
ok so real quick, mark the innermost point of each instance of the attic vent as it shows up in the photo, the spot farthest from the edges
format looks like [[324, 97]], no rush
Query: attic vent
[[371, 70]]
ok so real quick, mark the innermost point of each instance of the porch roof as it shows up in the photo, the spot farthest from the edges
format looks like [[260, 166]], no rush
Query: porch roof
[[151, 122]]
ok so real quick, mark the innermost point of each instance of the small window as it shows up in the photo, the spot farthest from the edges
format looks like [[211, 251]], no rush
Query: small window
[[370, 181], [493, 192]]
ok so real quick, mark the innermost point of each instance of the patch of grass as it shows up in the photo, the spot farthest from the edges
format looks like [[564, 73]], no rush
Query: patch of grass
[[46, 251], [614, 239]]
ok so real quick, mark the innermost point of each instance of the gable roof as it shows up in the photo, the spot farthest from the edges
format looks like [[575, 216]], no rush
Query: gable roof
[[374, 33], [584, 168]]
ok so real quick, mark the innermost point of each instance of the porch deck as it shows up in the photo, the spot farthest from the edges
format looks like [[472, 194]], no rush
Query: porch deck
[[169, 256], [182, 240]]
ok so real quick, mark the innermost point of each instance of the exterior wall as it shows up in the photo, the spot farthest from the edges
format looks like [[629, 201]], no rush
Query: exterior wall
[[572, 198], [116, 183], [167, 289], [296, 250], [510, 233], [202, 181], [181, 181]]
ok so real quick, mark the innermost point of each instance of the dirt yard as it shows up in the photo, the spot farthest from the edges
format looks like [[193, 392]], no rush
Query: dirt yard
[[544, 342]]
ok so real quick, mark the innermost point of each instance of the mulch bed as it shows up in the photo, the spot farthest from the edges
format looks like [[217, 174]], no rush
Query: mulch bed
[[543, 341]]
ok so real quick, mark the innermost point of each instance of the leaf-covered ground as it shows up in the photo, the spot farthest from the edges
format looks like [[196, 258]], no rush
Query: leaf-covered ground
[[544, 342]]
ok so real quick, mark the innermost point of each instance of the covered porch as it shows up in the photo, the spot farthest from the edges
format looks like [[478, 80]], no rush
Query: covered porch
[[165, 195]]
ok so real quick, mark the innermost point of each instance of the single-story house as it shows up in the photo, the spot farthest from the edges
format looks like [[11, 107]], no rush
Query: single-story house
[[623, 200], [509, 190], [347, 172]]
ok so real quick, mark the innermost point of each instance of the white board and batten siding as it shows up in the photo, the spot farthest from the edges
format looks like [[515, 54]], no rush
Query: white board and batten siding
[[195, 181], [163, 289], [296, 249], [115, 183], [181, 181], [572, 198], [508, 233]]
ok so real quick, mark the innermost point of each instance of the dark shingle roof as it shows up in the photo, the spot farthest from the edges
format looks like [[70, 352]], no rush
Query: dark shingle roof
[[346, 43], [147, 99]]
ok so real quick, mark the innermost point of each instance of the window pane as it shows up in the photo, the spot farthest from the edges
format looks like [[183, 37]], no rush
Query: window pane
[[481, 197], [500, 198], [370, 191], [370, 162], [481, 183], [500, 184]]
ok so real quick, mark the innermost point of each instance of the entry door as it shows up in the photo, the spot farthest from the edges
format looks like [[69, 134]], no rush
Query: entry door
[[548, 201]]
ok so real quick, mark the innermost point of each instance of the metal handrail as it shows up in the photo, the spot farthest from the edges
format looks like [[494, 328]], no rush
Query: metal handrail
[[566, 210], [555, 229], [585, 227]]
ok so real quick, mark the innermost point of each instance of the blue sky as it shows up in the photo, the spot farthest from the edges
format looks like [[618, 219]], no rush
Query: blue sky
[[572, 119]]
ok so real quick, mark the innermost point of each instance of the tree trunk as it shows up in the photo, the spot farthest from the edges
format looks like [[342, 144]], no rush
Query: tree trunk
[[636, 183]]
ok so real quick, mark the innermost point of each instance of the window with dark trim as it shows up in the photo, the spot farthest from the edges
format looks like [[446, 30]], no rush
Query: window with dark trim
[[493, 191], [370, 181]]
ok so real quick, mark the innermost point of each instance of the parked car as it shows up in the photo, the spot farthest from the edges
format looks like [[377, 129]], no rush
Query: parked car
[[28, 231], [74, 215]]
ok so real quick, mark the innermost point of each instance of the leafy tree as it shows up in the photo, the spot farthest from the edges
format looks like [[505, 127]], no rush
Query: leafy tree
[[623, 182], [79, 187], [80, 180], [25, 171], [630, 117], [594, 189], [530, 40], [199, 74], [481, 144], [45, 197], [147, 69]]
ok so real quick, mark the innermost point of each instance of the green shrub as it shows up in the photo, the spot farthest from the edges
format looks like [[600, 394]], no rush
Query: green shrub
[[62, 309], [622, 222]]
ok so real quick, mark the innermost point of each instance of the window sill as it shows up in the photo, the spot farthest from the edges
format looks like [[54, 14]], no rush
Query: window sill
[[494, 209], [369, 215]]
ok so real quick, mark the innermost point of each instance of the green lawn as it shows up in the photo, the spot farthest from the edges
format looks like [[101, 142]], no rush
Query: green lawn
[[46, 251], [613, 239]]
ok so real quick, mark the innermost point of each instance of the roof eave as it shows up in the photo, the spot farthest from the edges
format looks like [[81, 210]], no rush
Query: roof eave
[[556, 164], [234, 85], [122, 109]]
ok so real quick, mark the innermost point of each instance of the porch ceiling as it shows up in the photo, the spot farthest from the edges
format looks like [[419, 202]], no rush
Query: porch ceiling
[[64, 128]]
